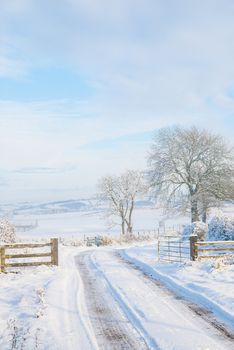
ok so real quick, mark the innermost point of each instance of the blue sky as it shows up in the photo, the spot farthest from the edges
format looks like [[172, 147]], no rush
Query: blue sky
[[84, 84]]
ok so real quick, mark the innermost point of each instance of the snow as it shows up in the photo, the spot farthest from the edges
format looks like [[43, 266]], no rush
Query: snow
[[22, 306], [90, 223], [208, 283], [163, 321], [221, 228], [67, 315], [41, 308], [45, 307], [196, 228]]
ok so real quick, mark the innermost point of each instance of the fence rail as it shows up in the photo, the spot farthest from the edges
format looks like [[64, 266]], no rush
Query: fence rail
[[97, 240], [214, 249], [5, 255], [172, 250]]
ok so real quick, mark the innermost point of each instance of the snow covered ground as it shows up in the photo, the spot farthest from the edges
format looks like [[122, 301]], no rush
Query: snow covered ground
[[90, 223], [41, 308], [161, 319], [208, 283], [95, 299], [22, 308]]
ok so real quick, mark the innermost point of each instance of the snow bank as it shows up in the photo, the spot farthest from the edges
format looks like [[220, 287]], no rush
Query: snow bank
[[23, 306], [208, 283], [40, 308]]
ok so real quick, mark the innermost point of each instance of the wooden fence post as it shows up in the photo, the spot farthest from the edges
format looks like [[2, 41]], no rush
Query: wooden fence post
[[180, 251], [158, 249], [168, 247], [54, 251], [2, 259], [193, 252]]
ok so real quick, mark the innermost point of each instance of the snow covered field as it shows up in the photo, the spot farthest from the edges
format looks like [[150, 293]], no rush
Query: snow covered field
[[90, 223]]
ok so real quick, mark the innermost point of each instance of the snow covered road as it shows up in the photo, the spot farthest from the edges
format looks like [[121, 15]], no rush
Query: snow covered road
[[112, 328], [101, 299], [127, 310]]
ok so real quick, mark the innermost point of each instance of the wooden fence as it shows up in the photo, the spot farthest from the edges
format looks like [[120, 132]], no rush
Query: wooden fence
[[214, 249], [6, 254]]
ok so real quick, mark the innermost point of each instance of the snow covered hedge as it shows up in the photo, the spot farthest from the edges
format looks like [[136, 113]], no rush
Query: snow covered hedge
[[7, 232], [196, 228], [221, 228]]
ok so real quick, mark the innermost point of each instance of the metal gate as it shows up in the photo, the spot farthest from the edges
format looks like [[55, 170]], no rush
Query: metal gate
[[173, 250]]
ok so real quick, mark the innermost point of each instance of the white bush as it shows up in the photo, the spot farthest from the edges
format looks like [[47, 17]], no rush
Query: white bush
[[221, 228], [196, 228], [187, 232], [7, 231]]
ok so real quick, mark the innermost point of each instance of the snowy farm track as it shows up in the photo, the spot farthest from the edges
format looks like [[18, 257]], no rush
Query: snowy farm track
[[129, 310], [111, 328], [198, 310]]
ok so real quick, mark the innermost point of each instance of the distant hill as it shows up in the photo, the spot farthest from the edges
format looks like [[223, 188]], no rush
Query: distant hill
[[66, 206]]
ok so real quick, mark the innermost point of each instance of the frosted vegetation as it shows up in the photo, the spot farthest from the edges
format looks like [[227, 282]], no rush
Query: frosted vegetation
[[7, 231], [191, 170], [196, 228], [221, 228]]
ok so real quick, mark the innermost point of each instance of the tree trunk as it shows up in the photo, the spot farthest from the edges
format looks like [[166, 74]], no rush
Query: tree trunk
[[129, 228], [194, 210], [123, 227], [129, 223], [204, 215], [204, 207]]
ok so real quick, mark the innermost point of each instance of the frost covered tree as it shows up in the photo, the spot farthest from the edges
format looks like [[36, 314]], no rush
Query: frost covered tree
[[121, 192], [7, 231], [191, 169]]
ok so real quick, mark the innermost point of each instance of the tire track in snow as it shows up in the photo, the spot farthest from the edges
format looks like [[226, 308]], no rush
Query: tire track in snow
[[66, 313], [164, 321], [205, 314], [133, 318], [111, 328]]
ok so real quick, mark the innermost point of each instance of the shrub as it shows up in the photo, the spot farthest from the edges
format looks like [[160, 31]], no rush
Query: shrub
[[7, 231], [196, 228], [221, 228]]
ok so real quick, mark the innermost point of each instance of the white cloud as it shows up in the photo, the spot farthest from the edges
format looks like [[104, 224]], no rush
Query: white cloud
[[149, 64]]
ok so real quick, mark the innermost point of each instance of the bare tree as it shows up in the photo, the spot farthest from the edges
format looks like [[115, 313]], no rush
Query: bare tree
[[121, 192], [191, 168]]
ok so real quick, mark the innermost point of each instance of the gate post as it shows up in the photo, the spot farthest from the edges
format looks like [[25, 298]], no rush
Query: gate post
[[2, 259], [54, 251], [158, 249], [193, 251]]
